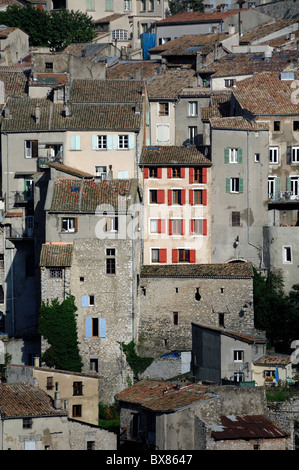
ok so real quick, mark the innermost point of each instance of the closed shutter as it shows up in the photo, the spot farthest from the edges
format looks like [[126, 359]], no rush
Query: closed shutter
[[226, 155], [204, 175], [75, 142], [175, 255], [192, 256], [146, 173], [102, 327], [191, 175], [88, 327], [162, 133], [191, 197], [84, 300], [162, 255]]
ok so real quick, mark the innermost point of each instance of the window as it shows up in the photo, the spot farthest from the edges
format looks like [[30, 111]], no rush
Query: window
[[293, 186], [184, 256], [163, 109], [229, 82], [101, 172], [89, 5], [175, 318], [75, 142], [177, 196], [143, 5], [273, 155], [31, 148], [50, 383], [198, 226], [123, 142], [49, 66], [199, 175], [156, 196], [238, 356], [27, 423], [234, 185], [153, 172], [120, 35], [158, 255], [177, 172], [94, 365], [192, 108], [192, 133], [1, 260], [236, 219], [110, 261], [69, 224], [287, 254], [77, 388], [109, 5], [257, 157], [55, 273], [276, 126], [95, 327], [111, 224], [151, 5], [99, 142], [273, 187], [295, 126], [77, 411], [176, 227], [90, 445], [157, 226], [295, 154], [162, 133], [233, 155]]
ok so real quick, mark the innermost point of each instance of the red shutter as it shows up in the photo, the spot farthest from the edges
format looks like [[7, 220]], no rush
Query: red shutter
[[159, 172], [169, 227], [204, 227], [191, 197], [169, 172], [204, 175], [191, 226], [204, 197], [191, 175], [146, 173], [182, 172], [160, 196], [169, 197], [161, 226], [182, 227], [162, 255], [175, 255], [192, 256], [183, 197]]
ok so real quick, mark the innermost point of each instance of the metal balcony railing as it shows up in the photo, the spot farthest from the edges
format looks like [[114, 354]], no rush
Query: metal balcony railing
[[43, 161]]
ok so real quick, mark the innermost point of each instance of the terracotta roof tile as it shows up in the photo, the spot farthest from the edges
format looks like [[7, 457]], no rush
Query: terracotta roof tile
[[197, 17], [237, 123], [56, 254], [24, 400], [162, 396], [247, 427], [273, 360], [225, 270], [189, 44], [169, 84], [106, 91], [172, 155], [128, 69], [265, 29]]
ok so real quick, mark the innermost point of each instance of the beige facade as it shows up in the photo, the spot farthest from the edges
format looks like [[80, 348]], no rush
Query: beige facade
[[162, 122], [14, 45]]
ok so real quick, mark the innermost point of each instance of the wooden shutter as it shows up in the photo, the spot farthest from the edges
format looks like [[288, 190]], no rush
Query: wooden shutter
[[204, 197], [161, 226], [191, 226], [84, 300], [227, 185], [204, 227], [169, 227], [204, 175], [277, 188], [160, 196], [289, 155], [192, 256], [76, 224], [146, 173], [102, 327], [88, 327], [162, 255], [183, 197], [241, 185], [175, 255], [169, 197], [159, 173], [240, 155], [288, 183], [191, 175], [191, 197], [182, 227], [131, 141], [226, 155], [34, 148], [169, 172], [182, 172], [94, 142]]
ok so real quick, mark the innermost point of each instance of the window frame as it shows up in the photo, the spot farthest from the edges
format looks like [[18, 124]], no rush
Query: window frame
[[163, 108], [193, 108], [68, 229], [273, 155], [123, 142], [110, 261], [295, 154], [238, 355], [287, 254]]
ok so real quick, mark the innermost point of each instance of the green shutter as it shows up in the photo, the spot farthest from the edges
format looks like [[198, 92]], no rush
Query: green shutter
[[277, 188], [241, 185], [288, 184], [228, 185], [240, 155], [226, 155]]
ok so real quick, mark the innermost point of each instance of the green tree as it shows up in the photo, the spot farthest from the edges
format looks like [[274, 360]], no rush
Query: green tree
[[57, 324], [179, 6]]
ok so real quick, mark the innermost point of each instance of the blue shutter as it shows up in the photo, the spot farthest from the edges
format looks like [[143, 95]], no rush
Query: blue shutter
[[84, 300], [75, 142], [94, 142], [88, 328], [102, 327], [131, 141], [115, 142], [109, 142]]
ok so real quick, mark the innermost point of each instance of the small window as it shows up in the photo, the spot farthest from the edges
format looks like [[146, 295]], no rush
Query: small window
[[55, 273], [257, 158], [229, 82], [296, 126], [101, 142], [90, 445], [123, 142], [77, 388], [163, 109], [221, 319], [111, 224], [192, 134], [287, 255], [192, 108], [91, 300], [153, 196], [68, 224], [295, 154], [49, 66], [27, 423], [176, 172], [184, 256], [153, 172], [77, 411], [50, 383], [238, 356], [236, 219], [94, 365], [175, 318], [276, 126], [273, 155], [120, 35], [177, 196], [110, 261]]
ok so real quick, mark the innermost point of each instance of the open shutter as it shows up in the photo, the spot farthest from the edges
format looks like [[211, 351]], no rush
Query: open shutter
[[160, 196], [169, 227], [192, 256], [288, 184], [76, 224], [88, 327], [162, 255], [204, 197], [182, 227], [183, 197], [169, 197], [191, 226], [175, 255], [240, 155], [226, 155], [289, 155], [191, 197], [204, 175], [115, 142], [84, 300], [182, 172], [191, 175], [277, 188], [161, 226], [102, 327], [169, 172], [146, 173], [204, 227], [34, 144], [94, 142], [109, 142], [131, 141], [241, 185], [227, 185], [159, 173]]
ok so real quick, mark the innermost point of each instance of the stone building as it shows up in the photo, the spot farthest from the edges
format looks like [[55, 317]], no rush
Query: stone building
[[93, 251], [173, 296]]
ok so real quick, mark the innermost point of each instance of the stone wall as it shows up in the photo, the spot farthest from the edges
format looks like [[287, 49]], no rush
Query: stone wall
[[81, 434], [280, 9]]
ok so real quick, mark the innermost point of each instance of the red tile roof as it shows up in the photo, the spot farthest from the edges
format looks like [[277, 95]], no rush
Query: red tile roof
[[237, 123], [169, 84], [24, 400], [56, 254], [221, 271], [246, 427], [198, 17]]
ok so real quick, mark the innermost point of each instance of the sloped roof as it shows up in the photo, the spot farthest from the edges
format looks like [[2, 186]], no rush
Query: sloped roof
[[71, 195], [273, 360], [265, 29], [189, 44], [106, 91], [69, 170], [199, 17], [128, 69], [14, 82], [56, 254], [224, 271], [237, 123], [173, 155], [164, 397], [169, 84], [247, 427], [236, 335], [24, 400]]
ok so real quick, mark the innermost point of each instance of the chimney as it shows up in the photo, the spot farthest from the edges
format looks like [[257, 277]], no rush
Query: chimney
[[37, 114], [36, 361]]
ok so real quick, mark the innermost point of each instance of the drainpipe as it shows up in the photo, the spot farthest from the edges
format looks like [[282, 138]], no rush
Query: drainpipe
[[260, 250], [133, 278]]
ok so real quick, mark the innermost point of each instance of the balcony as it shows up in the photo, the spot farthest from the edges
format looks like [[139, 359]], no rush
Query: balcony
[[283, 197], [43, 161]]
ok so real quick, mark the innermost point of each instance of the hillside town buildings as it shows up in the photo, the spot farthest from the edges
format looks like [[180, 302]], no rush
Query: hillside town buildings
[[148, 174]]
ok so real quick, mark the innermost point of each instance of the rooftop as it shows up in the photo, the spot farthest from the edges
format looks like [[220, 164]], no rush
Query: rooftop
[[199, 17], [266, 29], [24, 400], [189, 44], [173, 155], [237, 123], [273, 360], [131, 69], [246, 427], [236, 335], [224, 271], [164, 397], [106, 91], [56, 255], [169, 84]]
